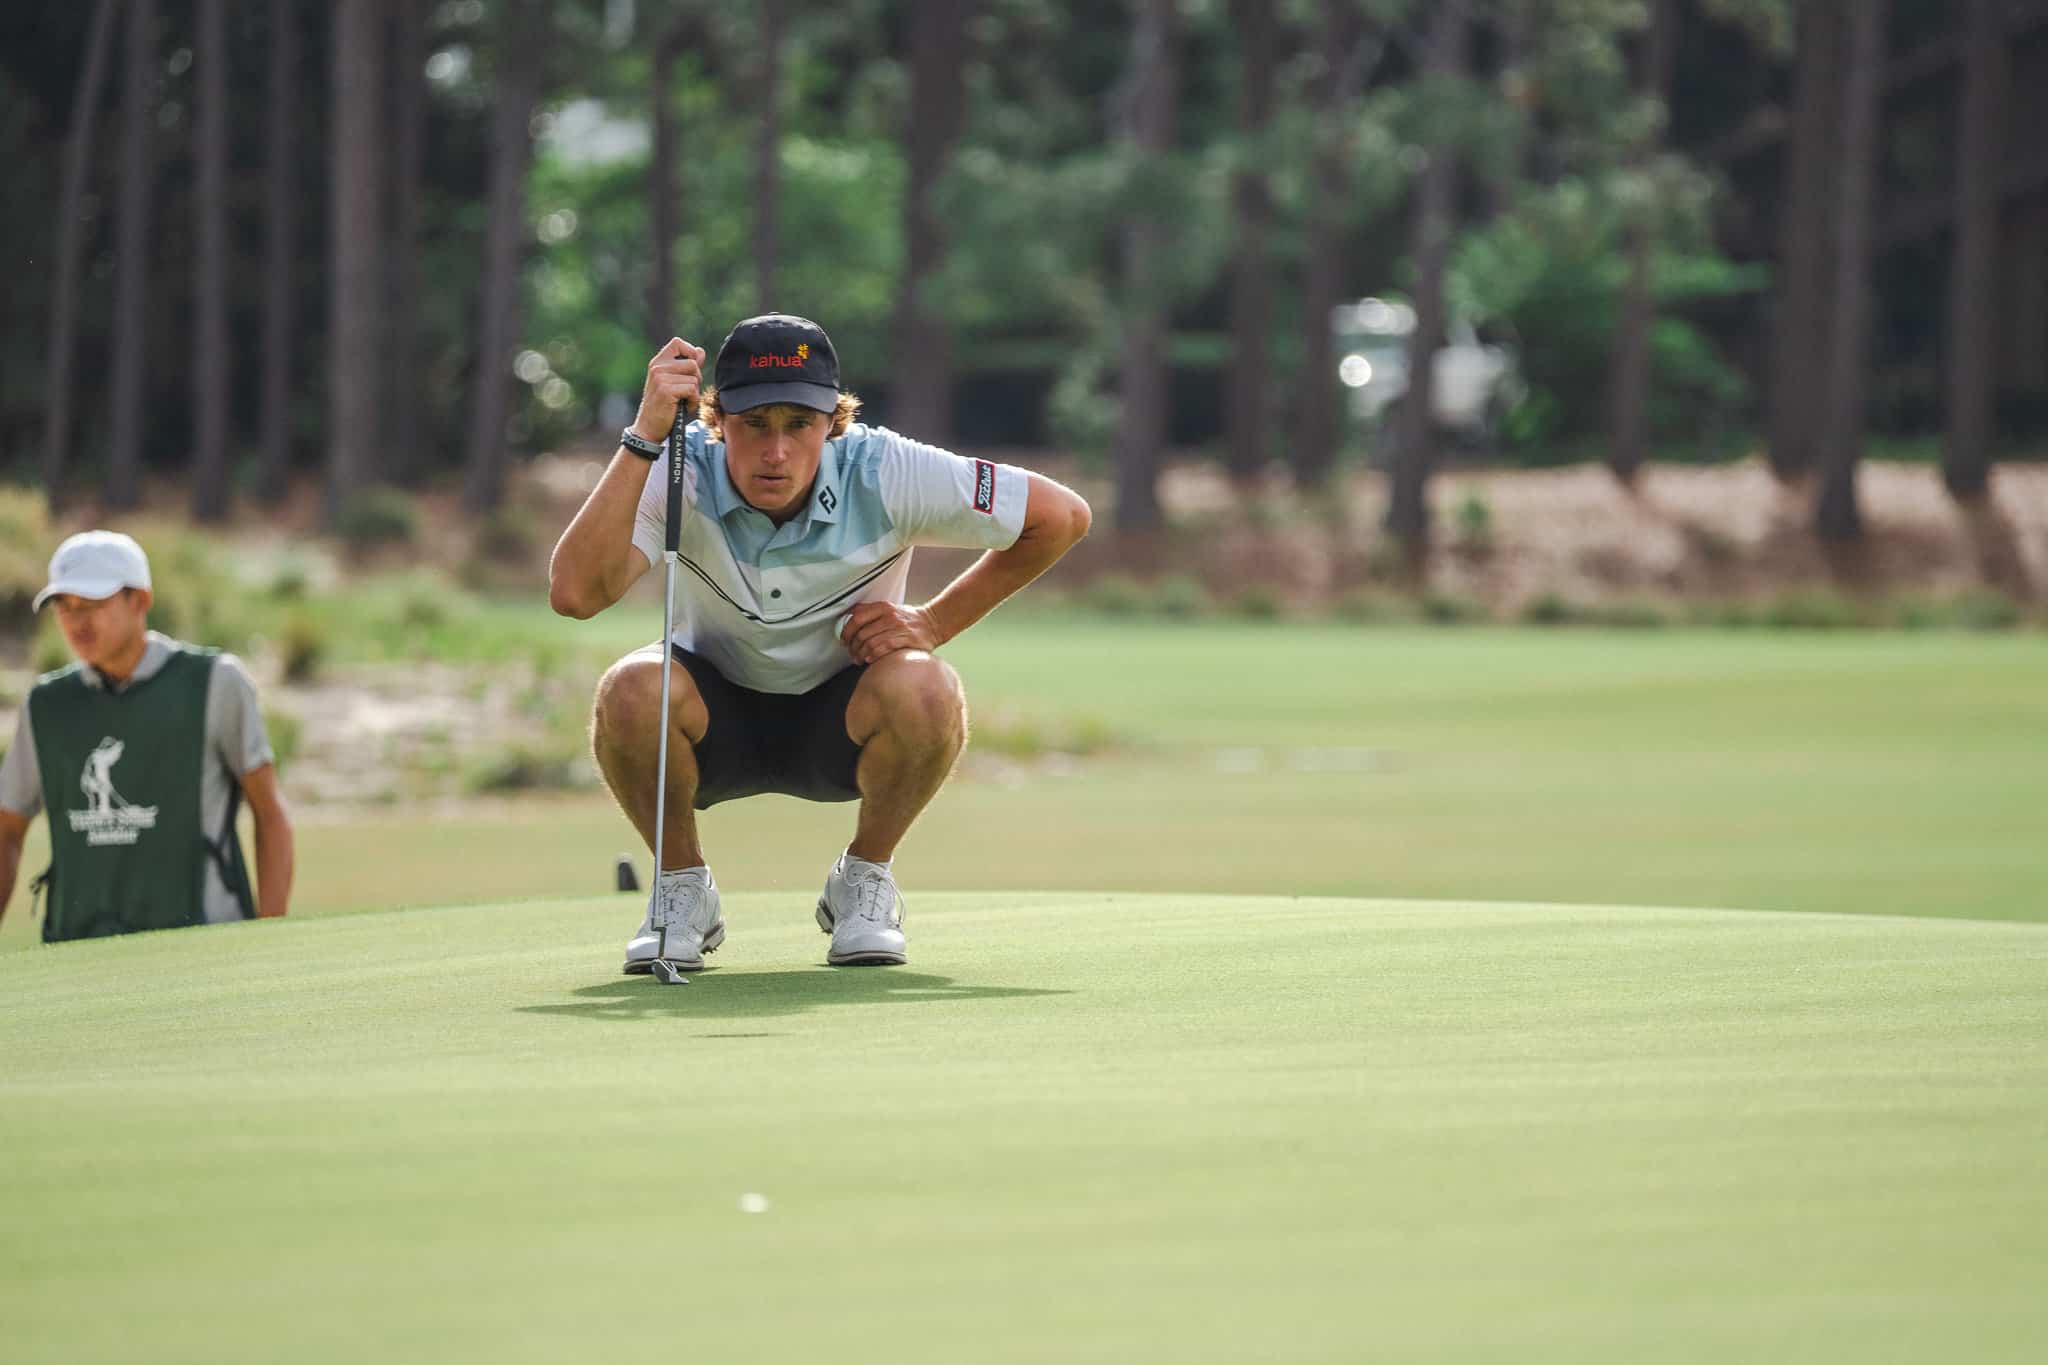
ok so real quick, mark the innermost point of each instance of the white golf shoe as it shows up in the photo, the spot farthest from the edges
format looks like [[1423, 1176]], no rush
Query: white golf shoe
[[686, 902], [863, 911]]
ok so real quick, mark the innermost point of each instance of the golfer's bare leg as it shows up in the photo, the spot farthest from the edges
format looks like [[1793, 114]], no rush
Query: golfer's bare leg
[[909, 716], [625, 736]]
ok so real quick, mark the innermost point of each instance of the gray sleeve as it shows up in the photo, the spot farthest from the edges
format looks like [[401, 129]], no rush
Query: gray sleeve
[[21, 781], [234, 721]]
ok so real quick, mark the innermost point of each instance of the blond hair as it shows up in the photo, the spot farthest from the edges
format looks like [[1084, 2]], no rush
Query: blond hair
[[712, 414]]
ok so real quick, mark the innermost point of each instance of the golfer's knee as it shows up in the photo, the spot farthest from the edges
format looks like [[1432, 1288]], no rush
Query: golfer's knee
[[627, 707], [921, 699]]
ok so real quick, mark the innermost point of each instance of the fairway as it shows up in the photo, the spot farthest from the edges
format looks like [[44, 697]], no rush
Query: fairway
[[1094, 1127]]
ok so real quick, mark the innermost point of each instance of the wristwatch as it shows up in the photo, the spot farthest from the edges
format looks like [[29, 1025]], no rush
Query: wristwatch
[[640, 445]]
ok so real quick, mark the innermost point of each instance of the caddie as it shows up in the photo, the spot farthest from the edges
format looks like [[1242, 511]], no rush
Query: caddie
[[803, 670], [142, 751]]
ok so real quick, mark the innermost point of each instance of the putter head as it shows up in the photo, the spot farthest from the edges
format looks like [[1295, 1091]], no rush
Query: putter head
[[665, 972]]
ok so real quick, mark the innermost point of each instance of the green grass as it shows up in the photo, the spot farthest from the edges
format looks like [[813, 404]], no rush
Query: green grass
[[1844, 772], [1269, 1114], [1079, 1127]]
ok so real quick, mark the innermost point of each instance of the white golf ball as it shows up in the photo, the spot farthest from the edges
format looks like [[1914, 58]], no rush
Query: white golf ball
[[753, 1203]]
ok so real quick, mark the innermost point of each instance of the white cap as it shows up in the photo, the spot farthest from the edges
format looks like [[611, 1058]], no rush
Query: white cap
[[95, 564]]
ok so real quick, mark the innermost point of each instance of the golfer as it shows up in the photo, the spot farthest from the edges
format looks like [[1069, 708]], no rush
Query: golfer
[[143, 750], [802, 669]]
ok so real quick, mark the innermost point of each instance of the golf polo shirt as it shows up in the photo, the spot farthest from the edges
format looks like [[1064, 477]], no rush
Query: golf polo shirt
[[765, 603], [235, 743]]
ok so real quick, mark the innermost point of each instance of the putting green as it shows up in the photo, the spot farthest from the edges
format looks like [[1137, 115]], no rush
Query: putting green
[[1076, 1128]]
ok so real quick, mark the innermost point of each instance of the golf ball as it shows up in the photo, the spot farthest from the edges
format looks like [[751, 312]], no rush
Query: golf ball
[[753, 1203]]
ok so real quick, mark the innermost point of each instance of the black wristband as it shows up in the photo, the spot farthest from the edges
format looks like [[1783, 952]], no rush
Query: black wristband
[[640, 445]]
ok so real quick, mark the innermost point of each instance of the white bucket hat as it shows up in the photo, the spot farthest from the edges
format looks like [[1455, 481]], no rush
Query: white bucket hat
[[95, 564]]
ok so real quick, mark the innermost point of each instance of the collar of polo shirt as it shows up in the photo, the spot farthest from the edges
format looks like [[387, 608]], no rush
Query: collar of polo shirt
[[726, 500]]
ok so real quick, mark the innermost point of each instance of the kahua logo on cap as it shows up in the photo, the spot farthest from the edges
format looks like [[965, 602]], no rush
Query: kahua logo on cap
[[95, 564], [777, 358]]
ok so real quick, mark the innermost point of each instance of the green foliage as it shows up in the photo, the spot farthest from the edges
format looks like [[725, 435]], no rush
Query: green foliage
[[527, 766], [1552, 271], [1115, 594], [1441, 608], [376, 518], [302, 645], [287, 735], [1256, 602], [1472, 520], [1181, 596], [26, 541], [1008, 733]]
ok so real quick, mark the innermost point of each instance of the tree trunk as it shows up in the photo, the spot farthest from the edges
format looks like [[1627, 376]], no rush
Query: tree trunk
[[1836, 516], [1799, 342], [519, 90], [280, 248], [1315, 436], [768, 157], [131, 269], [661, 179], [72, 233], [1251, 283], [1148, 130], [356, 277], [1435, 204], [210, 340], [1973, 299], [923, 399], [409, 151], [1628, 440]]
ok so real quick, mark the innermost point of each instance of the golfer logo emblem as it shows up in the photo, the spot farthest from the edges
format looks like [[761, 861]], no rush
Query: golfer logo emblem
[[108, 818]]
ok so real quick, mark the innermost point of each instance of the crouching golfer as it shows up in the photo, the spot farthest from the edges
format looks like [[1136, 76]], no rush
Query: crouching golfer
[[142, 750], [802, 669]]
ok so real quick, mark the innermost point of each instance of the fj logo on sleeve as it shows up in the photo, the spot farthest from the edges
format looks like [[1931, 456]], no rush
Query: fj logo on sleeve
[[826, 500], [108, 818], [984, 487]]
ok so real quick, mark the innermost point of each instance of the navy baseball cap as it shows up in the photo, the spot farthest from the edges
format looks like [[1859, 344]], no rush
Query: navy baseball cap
[[777, 358]]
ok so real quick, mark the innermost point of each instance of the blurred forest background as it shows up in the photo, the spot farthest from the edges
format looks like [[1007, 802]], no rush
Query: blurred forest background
[[378, 245]]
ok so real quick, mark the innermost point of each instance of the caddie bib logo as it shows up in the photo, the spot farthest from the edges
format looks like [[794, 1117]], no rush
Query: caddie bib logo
[[107, 817]]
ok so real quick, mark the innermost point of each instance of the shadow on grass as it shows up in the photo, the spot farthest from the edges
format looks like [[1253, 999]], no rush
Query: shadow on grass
[[753, 995]]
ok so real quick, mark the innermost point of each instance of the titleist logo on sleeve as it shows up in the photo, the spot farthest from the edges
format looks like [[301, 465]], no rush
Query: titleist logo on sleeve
[[984, 487]]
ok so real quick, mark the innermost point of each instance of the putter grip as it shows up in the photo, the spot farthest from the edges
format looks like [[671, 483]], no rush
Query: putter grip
[[672, 524]]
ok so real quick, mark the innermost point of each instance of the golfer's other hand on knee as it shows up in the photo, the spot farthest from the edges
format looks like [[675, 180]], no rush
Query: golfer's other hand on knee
[[875, 630]]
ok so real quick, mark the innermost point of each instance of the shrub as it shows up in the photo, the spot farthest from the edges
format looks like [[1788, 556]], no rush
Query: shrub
[[524, 767], [1813, 609], [25, 544], [303, 646], [375, 518], [286, 733], [1366, 606], [1181, 596], [1549, 609], [1114, 594], [1450, 609], [49, 653], [507, 535], [1256, 603], [1472, 520], [1632, 614], [1977, 609], [1023, 737]]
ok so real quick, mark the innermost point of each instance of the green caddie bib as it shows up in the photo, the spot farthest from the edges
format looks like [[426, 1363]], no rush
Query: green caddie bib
[[121, 780]]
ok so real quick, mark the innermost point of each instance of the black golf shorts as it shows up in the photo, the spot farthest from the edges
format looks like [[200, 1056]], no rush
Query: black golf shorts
[[795, 744]]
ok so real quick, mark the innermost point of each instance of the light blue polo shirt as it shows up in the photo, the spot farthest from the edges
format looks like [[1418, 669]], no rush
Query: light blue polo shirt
[[764, 603]]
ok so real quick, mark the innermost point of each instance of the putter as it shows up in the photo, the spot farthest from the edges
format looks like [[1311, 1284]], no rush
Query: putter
[[665, 971]]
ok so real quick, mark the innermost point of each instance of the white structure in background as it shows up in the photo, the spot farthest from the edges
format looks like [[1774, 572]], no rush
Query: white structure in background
[[1476, 382]]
